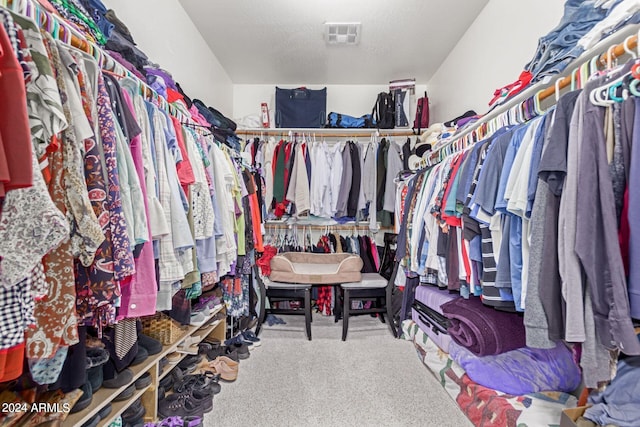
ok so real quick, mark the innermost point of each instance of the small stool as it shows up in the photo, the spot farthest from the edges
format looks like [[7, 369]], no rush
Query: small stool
[[279, 291], [372, 286]]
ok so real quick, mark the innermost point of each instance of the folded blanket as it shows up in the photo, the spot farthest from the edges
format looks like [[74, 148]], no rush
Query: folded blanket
[[481, 329], [522, 371]]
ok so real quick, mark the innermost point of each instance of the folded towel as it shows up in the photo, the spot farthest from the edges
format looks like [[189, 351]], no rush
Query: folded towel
[[481, 329]]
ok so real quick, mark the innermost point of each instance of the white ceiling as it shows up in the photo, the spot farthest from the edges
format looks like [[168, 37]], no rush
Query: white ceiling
[[282, 41]]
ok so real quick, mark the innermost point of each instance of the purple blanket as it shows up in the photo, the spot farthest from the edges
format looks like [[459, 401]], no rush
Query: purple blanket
[[523, 371], [483, 330]]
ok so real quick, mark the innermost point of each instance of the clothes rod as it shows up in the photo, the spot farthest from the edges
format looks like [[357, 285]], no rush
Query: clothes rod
[[339, 133], [322, 227], [613, 53], [537, 89]]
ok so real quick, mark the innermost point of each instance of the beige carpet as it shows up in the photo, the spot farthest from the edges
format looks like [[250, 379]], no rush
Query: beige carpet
[[371, 379]]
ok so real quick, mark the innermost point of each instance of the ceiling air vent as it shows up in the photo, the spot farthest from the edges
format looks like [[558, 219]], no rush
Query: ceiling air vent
[[342, 32]]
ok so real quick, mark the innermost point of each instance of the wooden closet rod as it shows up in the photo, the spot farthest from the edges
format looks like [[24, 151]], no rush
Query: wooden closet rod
[[324, 133], [615, 52]]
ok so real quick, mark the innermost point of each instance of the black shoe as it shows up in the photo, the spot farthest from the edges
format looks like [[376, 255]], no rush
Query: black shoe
[[96, 378], [121, 379], [152, 346], [175, 405], [126, 394], [85, 399], [190, 360], [163, 364], [143, 381], [93, 421], [134, 413], [167, 382], [242, 349], [141, 356], [232, 353], [96, 357], [104, 412], [206, 383]]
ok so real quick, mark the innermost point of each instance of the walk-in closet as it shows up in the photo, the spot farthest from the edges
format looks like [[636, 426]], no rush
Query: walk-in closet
[[319, 213]]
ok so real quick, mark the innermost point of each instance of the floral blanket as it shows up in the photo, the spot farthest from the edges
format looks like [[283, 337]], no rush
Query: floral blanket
[[483, 406]]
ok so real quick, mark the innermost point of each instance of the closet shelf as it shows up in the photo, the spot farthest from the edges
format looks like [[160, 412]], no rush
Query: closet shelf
[[208, 329], [328, 132], [105, 396]]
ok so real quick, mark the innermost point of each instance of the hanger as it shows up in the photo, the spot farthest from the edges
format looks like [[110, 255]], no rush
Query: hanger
[[625, 45]]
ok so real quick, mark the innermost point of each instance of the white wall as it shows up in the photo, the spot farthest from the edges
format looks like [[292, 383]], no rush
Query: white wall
[[166, 34], [490, 55], [354, 100]]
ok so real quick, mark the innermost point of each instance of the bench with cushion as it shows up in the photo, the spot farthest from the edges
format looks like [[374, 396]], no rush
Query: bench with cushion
[[294, 273]]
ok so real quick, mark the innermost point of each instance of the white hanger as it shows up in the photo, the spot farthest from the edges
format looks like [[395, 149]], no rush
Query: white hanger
[[633, 54]]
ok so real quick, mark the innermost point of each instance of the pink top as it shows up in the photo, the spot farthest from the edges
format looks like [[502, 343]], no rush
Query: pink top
[[140, 294]]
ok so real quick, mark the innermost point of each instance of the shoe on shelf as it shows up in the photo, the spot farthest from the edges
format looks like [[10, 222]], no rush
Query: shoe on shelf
[[188, 346], [134, 413], [190, 360], [167, 382], [250, 336], [152, 345], [163, 364], [204, 348], [207, 383], [126, 394], [96, 377], [174, 405], [174, 358], [197, 319], [143, 381], [141, 356], [121, 378], [96, 357], [85, 399], [93, 421]]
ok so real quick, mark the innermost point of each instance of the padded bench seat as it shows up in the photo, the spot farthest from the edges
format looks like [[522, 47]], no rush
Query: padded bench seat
[[316, 269], [368, 281]]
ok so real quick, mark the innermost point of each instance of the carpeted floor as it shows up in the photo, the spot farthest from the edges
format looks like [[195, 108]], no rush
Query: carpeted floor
[[371, 379]]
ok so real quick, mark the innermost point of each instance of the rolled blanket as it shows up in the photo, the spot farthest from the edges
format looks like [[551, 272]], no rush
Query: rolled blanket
[[483, 330], [522, 371]]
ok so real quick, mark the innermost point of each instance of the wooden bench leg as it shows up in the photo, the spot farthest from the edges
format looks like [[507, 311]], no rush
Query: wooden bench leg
[[345, 314], [307, 311]]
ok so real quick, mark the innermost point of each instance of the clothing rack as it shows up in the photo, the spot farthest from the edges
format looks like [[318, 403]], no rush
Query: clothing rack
[[518, 109], [64, 32], [347, 226], [327, 132]]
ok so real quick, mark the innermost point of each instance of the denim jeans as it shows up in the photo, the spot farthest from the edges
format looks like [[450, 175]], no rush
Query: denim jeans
[[556, 49]]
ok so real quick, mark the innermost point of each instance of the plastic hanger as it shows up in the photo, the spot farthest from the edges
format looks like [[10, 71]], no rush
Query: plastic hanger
[[631, 53]]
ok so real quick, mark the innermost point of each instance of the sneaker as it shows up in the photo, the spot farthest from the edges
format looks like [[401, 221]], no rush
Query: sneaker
[[174, 405], [250, 336], [239, 341]]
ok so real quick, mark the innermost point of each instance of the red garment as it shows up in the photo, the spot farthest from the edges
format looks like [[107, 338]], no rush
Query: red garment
[[256, 220], [451, 220], [15, 142], [264, 262], [185, 171], [11, 363], [625, 232]]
